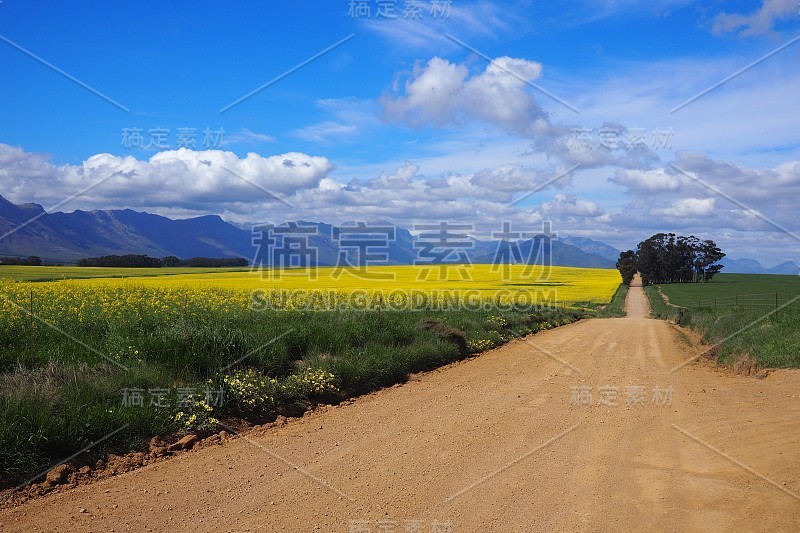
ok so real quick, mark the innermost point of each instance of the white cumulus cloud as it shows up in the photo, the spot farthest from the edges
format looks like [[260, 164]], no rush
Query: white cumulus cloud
[[647, 181], [175, 179], [688, 208], [442, 94]]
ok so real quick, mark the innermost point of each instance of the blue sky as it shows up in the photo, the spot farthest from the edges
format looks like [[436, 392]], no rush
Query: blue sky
[[402, 122]]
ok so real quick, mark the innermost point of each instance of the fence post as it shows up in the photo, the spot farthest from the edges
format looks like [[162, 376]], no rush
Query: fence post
[[737, 301], [715, 304], [776, 300]]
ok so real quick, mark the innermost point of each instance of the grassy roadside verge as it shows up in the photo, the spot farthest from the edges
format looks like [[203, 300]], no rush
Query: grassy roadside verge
[[661, 309], [616, 307], [72, 394], [771, 340]]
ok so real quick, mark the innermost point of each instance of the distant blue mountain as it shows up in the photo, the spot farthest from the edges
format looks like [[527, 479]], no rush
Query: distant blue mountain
[[67, 237], [751, 266], [593, 247], [403, 251], [787, 268]]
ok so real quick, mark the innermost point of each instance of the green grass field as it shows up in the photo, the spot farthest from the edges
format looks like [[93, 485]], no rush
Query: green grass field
[[53, 273], [727, 286], [770, 336]]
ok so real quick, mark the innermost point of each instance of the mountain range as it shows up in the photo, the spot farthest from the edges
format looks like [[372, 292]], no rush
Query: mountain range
[[26, 229], [751, 266]]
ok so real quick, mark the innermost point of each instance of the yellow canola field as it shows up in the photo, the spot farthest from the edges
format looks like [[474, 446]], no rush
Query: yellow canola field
[[320, 288]]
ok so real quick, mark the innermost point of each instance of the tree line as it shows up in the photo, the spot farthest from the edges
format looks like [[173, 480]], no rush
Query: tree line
[[668, 258], [31, 260], [144, 261]]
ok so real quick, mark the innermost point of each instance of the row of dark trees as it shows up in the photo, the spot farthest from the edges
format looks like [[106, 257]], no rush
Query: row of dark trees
[[144, 261], [667, 258], [31, 260]]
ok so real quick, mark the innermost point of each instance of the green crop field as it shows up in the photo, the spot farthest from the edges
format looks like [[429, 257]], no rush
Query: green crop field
[[52, 273], [741, 313], [727, 286]]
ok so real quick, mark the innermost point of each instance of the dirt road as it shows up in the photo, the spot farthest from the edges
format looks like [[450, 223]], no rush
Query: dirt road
[[529, 437]]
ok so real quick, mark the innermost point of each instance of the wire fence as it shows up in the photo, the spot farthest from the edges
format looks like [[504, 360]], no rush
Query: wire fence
[[767, 300]]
